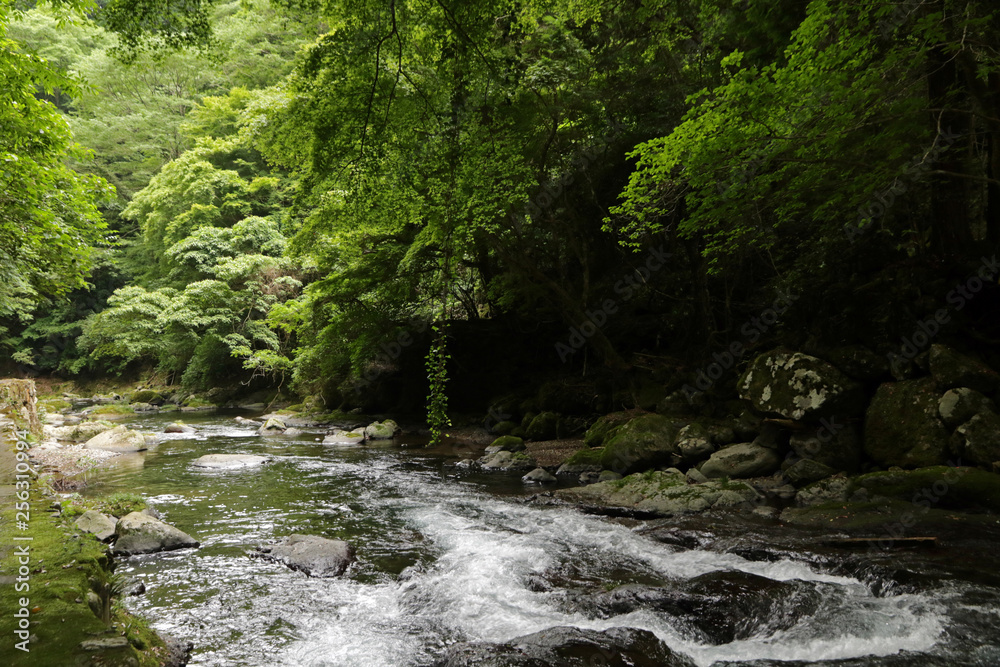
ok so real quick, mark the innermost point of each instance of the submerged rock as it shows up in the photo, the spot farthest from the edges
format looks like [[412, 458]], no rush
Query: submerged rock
[[229, 461], [101, 526], [139, 533], [178, 427], [118, 439], [568, 647], [314, 555]]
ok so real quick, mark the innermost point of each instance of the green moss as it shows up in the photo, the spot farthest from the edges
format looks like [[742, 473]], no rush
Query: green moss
[[936, 486], [602, 428], [509, 443], [61, 561], [591, 457], [55, 404], [112, 409]]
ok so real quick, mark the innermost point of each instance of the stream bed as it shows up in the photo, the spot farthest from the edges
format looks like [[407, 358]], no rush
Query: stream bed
[[446, 556]]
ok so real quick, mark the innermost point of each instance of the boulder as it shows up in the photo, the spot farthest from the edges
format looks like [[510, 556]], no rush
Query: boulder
[[81, 432], [582, 461], [742, 461], [961, 404], [951, 369], [381, 430], [339, 437], [504, 460], [229, 461], [503, 428], [143, 407], [645, 442], [139, 533], [545, 426], [694, 443], [798, 386], [833, 444], [508, 443], [663, 493], [539, 476], [568, 647], [314, 555], [148, 396], [594, 437], [118, 439], [99, 525], [978, 440], [807, 471], [902, 427], [178, 427], [829, 490], [939, 487], [272, 426]]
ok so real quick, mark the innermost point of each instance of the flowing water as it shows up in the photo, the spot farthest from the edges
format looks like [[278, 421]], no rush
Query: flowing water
[[444, 558]]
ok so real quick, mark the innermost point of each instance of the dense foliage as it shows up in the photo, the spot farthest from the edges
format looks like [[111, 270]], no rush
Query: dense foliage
[[318, 191]]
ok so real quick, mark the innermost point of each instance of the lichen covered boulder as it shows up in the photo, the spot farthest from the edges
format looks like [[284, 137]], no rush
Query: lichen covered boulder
[[902, 427], [961, 404], [798, 386]]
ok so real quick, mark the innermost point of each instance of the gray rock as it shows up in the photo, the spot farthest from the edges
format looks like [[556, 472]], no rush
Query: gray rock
[[504, 460], [178, 427], [97, 524], [608, 476], [119, 439], [805, 472], [539, 476], [143, 407], [742, 461], [831, 489], [229, 461], [272, 426], [82, 431], [104, 644], [695, 477], [951, 369], [292, 432], [978, 440], [902, 427], [959, 405], [799, 386], [140, 533], [314, 555], [339, 437]]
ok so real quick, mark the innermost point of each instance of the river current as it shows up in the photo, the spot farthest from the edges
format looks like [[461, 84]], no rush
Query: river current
[[446, 556]]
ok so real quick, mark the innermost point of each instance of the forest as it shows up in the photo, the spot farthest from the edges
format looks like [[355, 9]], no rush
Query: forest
[[390, 205], [440, 333]]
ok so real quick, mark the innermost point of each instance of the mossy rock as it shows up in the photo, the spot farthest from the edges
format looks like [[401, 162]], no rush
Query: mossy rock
[[941, 487], [586, 457], [645, 442], [902, 427], [543, 427], [508, 443], [951, 369], [503, 428], [600, 429], [148, 396]]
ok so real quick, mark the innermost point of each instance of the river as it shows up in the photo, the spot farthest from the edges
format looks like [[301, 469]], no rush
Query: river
[[446, 556]]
